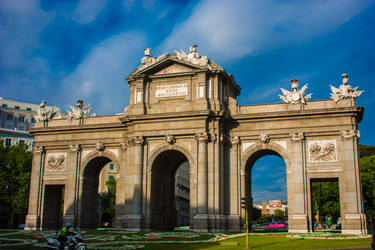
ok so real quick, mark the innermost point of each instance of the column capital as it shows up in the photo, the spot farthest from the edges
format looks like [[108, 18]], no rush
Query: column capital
[[297, 137], [75, 148], [202, 137], [38, 150], [123, 146], [135, 140], [349, 134], [234, 140]]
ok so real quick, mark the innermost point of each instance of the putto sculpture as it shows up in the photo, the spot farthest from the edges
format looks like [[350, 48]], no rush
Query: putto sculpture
[[45, 114], [295, 96], [80, 112], [345, 91]]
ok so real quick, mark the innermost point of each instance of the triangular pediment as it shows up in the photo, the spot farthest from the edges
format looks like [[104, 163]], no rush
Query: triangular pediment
[[173, 68]]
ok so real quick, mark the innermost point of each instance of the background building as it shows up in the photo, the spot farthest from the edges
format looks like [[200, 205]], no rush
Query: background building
[[182, 194], [272, 206], [16, 118]]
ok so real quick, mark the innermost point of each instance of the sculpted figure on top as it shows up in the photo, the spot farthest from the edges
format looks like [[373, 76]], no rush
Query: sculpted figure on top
[[80, 112], [193, 57], [148, 60], [45, 114], [295, 96], [345, 90]]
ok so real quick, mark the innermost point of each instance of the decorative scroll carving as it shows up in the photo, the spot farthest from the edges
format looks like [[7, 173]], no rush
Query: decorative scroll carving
[[349, 134], [202, 137], [123, 146], [134, 140], [74, 148], [193, 57], [295, 96], [234, 140], [322, 151], [56, 162], [297, 137], [170, 139], [38, 149], [45, 114], [345, 90], [264, 138], [100, 146], [80, 112]]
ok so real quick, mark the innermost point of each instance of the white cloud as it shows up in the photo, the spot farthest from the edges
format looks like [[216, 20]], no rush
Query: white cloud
[[87, 10], [233, 29], [99, 79]]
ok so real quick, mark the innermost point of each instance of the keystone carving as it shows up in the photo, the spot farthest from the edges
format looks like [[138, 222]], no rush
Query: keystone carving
[[74, 148], [100, 146], [349, 134], [170, 139], [264, 138], [202, 137], [38, 150], [297, 137], [345, 91]]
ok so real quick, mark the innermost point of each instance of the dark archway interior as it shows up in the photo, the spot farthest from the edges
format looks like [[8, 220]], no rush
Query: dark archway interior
[[89, 211], [164, 167], [53, 206], [248, 178]]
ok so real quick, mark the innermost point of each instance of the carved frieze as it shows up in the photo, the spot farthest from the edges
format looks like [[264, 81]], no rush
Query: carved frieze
[[264, 138], [38, 149], [322, 151], [202, 137], [297, 137], [56, 162], [74, 148], [170, 139], [100, 146], [349, 134]]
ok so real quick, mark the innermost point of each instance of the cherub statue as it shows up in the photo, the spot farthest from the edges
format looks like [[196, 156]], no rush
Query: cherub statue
[[45, 114], [295, 96], [80, 112], [345, 90]]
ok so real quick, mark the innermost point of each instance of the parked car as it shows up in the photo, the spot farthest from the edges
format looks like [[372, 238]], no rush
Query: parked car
[[276, 225]]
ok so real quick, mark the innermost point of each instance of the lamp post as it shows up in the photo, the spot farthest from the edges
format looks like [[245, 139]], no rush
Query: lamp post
[[244, 206]]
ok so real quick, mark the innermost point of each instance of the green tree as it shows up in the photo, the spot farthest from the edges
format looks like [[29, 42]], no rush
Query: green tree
[[366, 150], [367, 166], [326, 198], [279, 214], [15, 169], [111, 206]]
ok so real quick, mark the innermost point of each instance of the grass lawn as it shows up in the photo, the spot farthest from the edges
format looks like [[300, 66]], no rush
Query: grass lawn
[[111, 239]]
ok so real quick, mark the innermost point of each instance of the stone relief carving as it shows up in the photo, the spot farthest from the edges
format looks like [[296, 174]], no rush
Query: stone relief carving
[[170, 139], [295, 96], [322, 151], [234, 140], [349, 134], [193, 57], [74, 148], [38, 149], [56, 162], [133, 140], [123, 146], [100, 146], [297, 137], [264, 138], [345, 91], [202, 137], [45, 114], [80, 112]]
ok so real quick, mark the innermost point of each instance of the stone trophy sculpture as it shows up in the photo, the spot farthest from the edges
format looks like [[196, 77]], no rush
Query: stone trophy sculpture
[[45, 114], [80, 112], [295, 96], [345, 91]]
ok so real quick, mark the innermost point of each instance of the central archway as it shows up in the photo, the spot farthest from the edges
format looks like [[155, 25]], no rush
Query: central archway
[[163, 172]]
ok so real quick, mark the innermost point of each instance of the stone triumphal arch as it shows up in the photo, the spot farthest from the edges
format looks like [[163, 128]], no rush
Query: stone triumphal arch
[[183, 108]]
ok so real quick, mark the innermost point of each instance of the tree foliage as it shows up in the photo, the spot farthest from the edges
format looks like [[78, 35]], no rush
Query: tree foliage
[[15, 169], [367, 165], [366, 150], [326, 198]]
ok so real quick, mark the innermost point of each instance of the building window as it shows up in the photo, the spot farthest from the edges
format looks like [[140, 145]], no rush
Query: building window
[[17, 107], [4, 105], [9, 126], [110, 177], [21, 128], [28, 109], [111, 166], [9, 117], [8, 142], [21, 142], [22, 119], [32, 120]]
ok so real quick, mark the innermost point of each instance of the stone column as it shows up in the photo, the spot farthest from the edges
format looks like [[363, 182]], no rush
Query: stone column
[[34, 213], [121, 186], [201, 218]]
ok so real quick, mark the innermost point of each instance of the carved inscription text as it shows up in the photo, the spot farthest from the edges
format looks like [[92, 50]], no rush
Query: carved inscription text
[[171, 90]]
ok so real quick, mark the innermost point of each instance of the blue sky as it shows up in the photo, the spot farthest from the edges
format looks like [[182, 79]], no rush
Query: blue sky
[[64, 50]]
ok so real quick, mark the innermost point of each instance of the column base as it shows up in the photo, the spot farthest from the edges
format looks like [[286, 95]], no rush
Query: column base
[[131, 222], [233, 223], [354, 224], [200, 223], [298, 223], [32, 222]]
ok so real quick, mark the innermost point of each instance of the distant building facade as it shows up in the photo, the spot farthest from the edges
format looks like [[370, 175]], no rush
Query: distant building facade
[[272, 206], [16, 118], [182, 194]]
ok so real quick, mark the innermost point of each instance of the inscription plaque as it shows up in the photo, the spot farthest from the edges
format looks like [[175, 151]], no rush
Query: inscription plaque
[[171, 90]]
